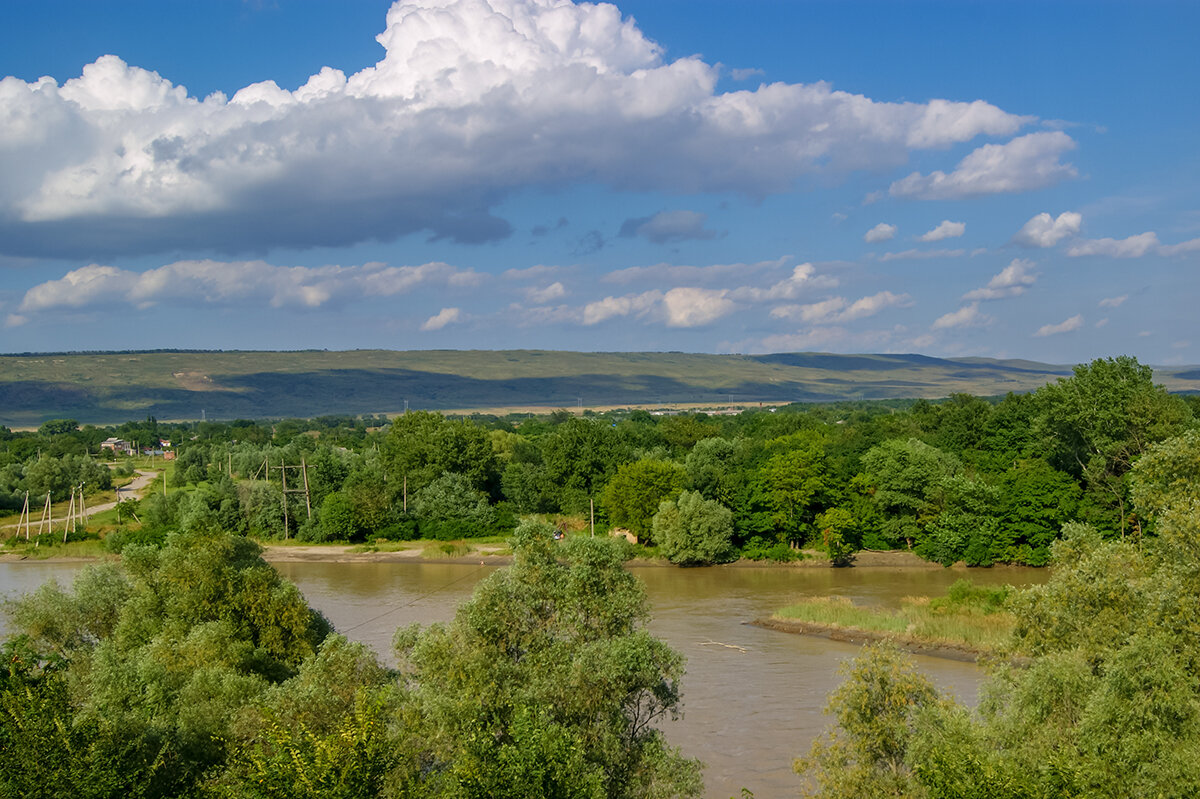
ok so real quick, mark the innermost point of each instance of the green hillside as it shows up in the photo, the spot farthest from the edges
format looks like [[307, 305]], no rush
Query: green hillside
[[115, 386]]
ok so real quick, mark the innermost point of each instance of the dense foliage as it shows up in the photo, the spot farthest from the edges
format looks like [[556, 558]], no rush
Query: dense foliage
[[1102, 699], [194, 670], [966, 479]]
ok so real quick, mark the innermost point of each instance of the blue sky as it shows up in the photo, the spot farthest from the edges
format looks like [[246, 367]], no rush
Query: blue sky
[[1013, 179]]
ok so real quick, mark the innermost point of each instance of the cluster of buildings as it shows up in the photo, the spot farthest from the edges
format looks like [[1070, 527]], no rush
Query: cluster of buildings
[[120, 446]]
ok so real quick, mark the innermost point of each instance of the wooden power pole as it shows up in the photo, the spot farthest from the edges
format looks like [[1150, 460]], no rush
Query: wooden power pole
[[283, 470]]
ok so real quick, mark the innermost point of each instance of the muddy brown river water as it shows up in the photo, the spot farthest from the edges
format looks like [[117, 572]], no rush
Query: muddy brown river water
[[746, 714]]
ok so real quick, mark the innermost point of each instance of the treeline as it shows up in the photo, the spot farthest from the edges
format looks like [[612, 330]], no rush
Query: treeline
[[972, 479], [56, 459]]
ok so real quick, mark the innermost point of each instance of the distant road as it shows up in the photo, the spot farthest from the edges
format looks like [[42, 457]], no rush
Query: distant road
[[134, 490]]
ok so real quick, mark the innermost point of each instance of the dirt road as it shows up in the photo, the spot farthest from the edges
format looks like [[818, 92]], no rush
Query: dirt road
[[134, 490]]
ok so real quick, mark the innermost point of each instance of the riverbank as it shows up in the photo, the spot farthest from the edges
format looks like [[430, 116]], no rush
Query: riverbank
[[491, 553]]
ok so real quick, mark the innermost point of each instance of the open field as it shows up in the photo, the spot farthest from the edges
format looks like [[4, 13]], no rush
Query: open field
[[114, 387]]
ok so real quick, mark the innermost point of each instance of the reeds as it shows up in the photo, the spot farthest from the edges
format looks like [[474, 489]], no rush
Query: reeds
[[968, 617]]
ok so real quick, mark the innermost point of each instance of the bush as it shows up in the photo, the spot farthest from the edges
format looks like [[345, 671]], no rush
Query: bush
[[117, 540], [965, 593], [403, 530], [758, 548]]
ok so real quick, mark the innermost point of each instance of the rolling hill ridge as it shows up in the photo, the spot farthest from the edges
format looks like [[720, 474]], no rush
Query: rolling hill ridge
[[106, 387]]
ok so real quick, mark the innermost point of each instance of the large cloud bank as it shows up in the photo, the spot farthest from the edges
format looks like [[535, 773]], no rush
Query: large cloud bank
[[473, 98]]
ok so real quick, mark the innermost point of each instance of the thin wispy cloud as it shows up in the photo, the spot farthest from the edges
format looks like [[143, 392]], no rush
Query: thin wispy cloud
[[1065, 326], [1132, 247]]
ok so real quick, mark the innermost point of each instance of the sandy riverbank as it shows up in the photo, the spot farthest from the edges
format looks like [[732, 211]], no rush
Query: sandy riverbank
[[489, 553]]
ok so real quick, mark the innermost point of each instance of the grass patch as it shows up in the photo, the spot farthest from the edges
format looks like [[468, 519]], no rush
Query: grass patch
[[52, 547], [968, 616], [381, 545], [447, 549]]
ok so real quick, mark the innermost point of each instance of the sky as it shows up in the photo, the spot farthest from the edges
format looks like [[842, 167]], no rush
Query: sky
[[999, 179]]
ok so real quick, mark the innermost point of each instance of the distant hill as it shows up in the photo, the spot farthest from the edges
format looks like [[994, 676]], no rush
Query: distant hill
[[106, 387]]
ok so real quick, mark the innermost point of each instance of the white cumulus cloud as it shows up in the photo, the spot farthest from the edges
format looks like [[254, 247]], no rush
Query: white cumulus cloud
[[1023, 164], [692, 307], [637, 305], [881, 232], [803, 278], [442, 318], [946, 230], [1113, 302], [966, 316], [1065, 326], [1011, 281], [473, 99], [1044, 230]]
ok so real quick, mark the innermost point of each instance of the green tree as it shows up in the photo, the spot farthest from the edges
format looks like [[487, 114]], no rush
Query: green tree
[[1036, 501], [632, 496], [876, 710], [327, 733], [367, 491], [840, 535], [1167, 476], [58, 427], [694, 530], [451, 499], [546, 683], [1099, 421], [162, 654], [579, 457], [336, 519], [907, 476], [682, 432], [968, 528], [791, 482], [422, 446], [710, 469]]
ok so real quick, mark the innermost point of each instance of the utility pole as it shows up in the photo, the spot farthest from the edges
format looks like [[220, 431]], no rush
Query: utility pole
[[47, 520], [70, 515], [283, 477], [283, 470], [24, 517], [592, 509], [307, 499]]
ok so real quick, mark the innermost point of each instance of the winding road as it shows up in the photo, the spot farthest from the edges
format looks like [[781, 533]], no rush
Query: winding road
[[133, 490]]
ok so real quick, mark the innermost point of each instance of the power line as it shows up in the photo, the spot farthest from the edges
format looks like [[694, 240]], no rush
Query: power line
[[410, 603]]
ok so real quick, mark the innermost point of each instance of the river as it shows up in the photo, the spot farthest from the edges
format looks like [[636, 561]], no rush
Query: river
[[747, 714]]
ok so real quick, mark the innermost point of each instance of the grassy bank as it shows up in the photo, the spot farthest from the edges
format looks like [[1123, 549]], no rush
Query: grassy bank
[[969, 617], [52, 547]]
